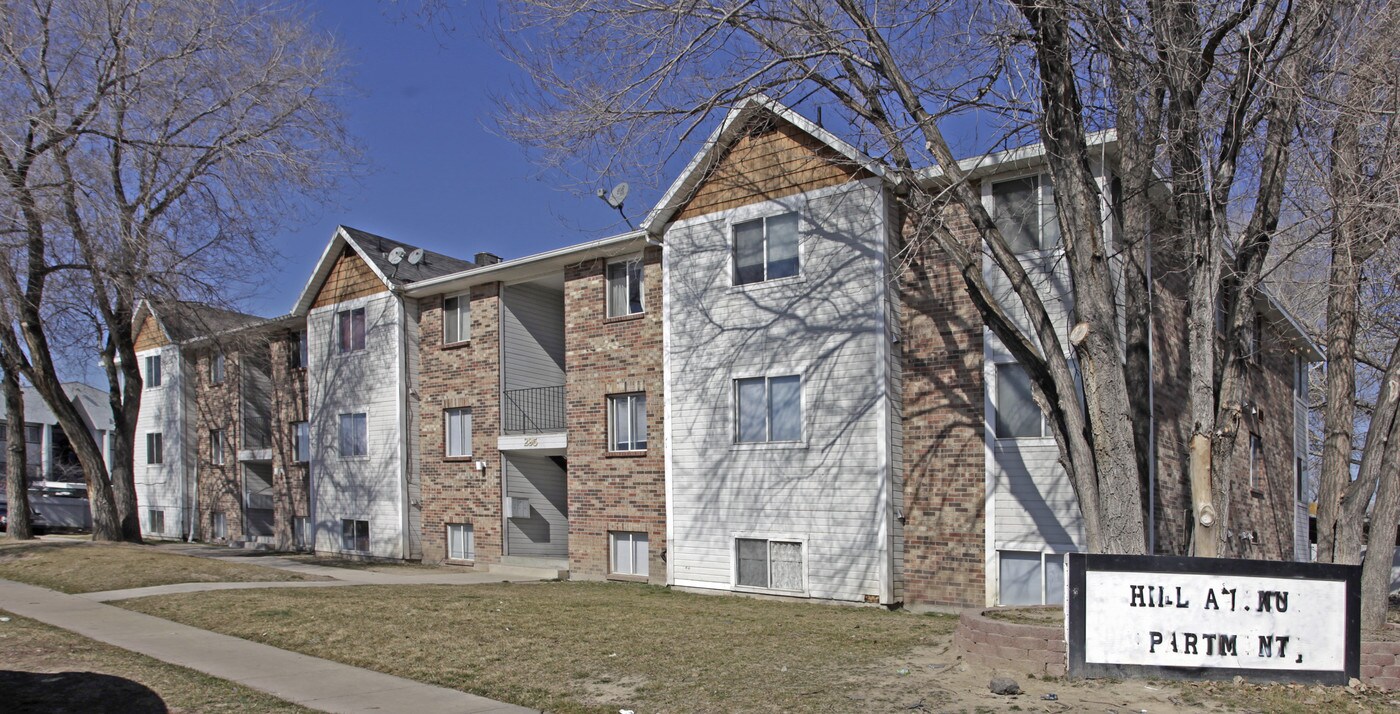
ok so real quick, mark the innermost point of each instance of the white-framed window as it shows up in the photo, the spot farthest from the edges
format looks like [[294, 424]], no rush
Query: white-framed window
[[354, 435], [1030, 578], [457, 431], [1300, 378], [152, 375], [1252, 337], [627, 422], [354, 535], [766, 249], [155, 519], [625, 287], [1256, 462], [219, 526], [768, 408], [301, 532], [768, 564], [301, 442], [1018, 416], [298, 352], [461, 541], [216, 368], [350, 326], [1024, 210], [456, 319], [216, 447], [628, 551], [155, 448]]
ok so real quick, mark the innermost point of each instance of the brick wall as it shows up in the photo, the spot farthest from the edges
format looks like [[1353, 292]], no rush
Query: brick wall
[[944, 463], [465, 374], [220, 488], [1380, 663], [607, 491], [999, 644], [290, 479]]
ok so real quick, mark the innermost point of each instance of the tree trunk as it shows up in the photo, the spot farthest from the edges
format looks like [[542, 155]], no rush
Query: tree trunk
[[1385, 518], [19, 526]]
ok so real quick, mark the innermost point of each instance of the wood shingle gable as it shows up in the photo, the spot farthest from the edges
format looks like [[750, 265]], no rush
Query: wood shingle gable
[[350, 277]]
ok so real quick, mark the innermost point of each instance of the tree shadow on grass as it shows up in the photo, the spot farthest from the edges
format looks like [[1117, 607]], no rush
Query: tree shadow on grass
[[87, 692]]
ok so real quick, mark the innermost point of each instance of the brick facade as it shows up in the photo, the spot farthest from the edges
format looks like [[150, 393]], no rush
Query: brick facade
[[607, 491], [291, 486], [944, 456], [220, 487], [465, 374]]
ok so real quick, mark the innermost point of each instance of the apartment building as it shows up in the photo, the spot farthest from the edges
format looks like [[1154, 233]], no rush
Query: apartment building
[[769, 388], [540, 399]]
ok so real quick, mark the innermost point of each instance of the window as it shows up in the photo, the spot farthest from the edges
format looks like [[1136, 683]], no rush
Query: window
[[457, 431], [768, 564], [220, 526], [627, 422], [1024, 211], [1299, 471], [351, 327], [155, 448], [1300, 378], [769, 408], [456, 319], [297, 350], [152, 371], [155, 521], [1027, 578], [765, 249], [216, 368], [625, 287], [354, 535], [354, 439], [301, 532], [301, 442], [1256, 462], [629, 553], [461, 542], [1018, 416], [216, 447], [1250, 336]]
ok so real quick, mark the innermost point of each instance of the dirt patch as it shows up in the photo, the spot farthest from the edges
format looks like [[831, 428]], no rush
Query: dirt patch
[[1038, 616]]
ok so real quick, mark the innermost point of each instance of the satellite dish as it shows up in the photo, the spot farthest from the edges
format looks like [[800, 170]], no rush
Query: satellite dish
[[396, 255], [416, 256], [617, 195]]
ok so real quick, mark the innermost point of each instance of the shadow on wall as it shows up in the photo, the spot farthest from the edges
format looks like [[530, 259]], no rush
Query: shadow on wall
[[77, 692]]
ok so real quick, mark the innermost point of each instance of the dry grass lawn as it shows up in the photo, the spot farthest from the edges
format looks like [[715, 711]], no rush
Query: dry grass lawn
[[51, 670], [580, 647], [601, 647], [85, 567]]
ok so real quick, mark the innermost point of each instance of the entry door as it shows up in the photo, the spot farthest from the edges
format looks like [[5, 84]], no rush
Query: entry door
[[543, 484]]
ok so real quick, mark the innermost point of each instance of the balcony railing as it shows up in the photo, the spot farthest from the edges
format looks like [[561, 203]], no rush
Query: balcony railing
[[532, 411]]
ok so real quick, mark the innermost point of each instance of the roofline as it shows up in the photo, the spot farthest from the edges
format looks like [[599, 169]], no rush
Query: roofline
[[528, 267], [323, 267], [661, 213], [1013, 159], [259, 324]]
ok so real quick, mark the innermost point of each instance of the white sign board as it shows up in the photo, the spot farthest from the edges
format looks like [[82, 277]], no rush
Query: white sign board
[[1212, 618]]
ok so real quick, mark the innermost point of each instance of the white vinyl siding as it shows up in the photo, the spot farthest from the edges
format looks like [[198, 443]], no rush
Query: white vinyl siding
[[456, 319], [163, 472], [370, 487], [625, 288], [628, 553], [627, 422], [457, 426], [826, 324], [461, 542]]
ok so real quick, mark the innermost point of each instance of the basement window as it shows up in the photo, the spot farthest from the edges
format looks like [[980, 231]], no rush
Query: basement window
[[1030, 578], [628, 551], [155, 521], [461, 541], [768, 564], [354, 535]]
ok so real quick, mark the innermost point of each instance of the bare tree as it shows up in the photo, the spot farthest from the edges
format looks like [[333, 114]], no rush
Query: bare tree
[[145, 148], [19, 525], [1207, 94]]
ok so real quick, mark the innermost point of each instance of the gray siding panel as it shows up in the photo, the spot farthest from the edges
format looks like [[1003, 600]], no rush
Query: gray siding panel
[[546, 532], [532, 336]]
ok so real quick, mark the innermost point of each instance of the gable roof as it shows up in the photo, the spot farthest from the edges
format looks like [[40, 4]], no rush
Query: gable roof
[[181, 320], [374, 251], [725, 135]]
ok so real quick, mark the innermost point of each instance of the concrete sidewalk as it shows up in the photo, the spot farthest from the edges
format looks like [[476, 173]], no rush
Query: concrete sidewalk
[[309, 681]]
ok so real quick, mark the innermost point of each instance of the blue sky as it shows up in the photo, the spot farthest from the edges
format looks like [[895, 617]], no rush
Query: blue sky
[[436, 175]]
